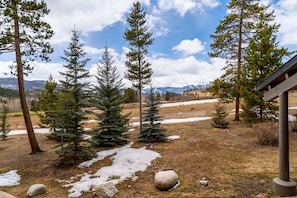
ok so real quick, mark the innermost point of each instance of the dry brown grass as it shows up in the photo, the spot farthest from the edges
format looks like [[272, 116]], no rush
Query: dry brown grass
[[230, 160]]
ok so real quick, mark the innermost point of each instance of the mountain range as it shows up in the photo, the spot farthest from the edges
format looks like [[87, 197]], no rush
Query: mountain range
[[11, 83]]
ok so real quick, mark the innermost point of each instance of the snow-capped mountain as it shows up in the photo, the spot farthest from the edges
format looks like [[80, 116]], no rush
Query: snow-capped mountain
[[12, 83]]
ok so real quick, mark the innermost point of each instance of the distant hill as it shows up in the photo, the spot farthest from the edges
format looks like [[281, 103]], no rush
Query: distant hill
[[177, 90], [12, 83]]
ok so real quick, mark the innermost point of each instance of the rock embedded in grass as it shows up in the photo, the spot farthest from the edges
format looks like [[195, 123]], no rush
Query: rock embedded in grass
[[36, 189], [165, 180], [6, 195]]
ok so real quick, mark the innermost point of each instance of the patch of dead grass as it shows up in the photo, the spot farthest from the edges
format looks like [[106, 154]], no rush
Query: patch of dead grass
[[230, 160]]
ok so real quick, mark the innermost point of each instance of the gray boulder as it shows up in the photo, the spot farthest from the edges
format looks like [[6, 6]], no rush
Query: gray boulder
[[36, 189], [164, 180], [6, 195], [106, 190]]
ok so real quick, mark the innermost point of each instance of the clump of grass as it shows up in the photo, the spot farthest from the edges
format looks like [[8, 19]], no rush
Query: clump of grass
[[267, 133]]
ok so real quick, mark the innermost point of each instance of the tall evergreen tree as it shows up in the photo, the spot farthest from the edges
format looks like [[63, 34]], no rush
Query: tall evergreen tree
[[139, 38], [73, 99], [151, 128], [231, 38], [108, 98], [24, 33], [48, 103], [263, 57]]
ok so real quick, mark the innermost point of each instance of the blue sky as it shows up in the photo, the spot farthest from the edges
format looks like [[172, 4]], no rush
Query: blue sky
[[181, 31]]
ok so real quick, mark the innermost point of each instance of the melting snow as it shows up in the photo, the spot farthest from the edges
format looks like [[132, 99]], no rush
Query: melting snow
[[178, 120], [172, 137], [10, 178], [189, 103], [126, 162]]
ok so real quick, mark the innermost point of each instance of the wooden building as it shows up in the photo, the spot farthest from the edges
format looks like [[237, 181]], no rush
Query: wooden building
[[278, 85]]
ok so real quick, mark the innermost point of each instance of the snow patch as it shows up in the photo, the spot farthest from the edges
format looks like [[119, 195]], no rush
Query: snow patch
[[126, 162], [177, 120], [192, 102], [10, 178], [172, 137]]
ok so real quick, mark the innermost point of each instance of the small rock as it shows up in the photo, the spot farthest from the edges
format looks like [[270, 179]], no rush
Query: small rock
[[6, 195], [106, 190], [36, 189], [164, 180], [204, 182]]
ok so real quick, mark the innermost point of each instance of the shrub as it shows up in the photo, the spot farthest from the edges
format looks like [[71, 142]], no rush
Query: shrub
[[219, 117], [267, 133], [4, 125]]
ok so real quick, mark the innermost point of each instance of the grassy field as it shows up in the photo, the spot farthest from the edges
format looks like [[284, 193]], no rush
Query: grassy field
[[230, 159]]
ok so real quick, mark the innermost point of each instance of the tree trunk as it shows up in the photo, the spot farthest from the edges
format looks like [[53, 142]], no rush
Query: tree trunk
[[140, 109], [237, 99], [20, 73]]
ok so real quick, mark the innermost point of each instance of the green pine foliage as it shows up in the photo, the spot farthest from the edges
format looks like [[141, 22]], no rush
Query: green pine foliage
[[229, 41], [8, 93], [73, 99], [151, 128], [112, 129], [4, 124], [139, 38], [219, 116], [27, 35], [263, 57], [48, 103], [130, 95]]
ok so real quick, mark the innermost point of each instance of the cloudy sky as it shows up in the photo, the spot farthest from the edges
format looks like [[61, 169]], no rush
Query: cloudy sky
[[180, 28]]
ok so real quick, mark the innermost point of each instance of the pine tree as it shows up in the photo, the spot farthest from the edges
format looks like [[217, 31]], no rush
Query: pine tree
[[73, 99], [230, 39], [263, 57], [219, 117], [108, 98], [151, 129], [24, 33], [130, 95], [48, 103], [4, 124], [139, 69]]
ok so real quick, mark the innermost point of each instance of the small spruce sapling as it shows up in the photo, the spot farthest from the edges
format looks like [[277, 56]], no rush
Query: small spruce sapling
[[151, 130], [219, 117], [4, 125]]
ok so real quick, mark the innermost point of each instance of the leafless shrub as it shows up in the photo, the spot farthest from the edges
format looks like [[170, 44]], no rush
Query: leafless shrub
[[267, 133]]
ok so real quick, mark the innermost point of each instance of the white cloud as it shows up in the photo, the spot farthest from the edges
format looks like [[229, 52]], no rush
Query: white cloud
[[86, 16], [41, 70], [184, 6], [184, 71], [91, 50], [156, 25], [285, 11], [189, 47]]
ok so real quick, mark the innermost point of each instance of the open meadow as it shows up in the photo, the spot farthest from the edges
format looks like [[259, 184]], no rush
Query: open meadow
[[230, 159]]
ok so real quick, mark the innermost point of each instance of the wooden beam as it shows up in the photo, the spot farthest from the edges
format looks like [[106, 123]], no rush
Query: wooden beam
[[283, 87]]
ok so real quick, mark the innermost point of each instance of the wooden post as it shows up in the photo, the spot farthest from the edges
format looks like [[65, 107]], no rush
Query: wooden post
[[282, 185]]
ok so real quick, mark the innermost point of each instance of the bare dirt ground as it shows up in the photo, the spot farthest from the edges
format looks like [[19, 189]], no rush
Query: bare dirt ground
[[230, 159]]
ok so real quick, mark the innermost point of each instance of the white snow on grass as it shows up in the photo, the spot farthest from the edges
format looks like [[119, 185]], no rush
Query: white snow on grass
[[192, 102], [177, 120], [102, 154], [24, 131], [126, 162], [10, 178], [172, 137]]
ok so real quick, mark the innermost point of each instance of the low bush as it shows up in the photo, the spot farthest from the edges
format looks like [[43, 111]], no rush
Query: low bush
[[267, 133]]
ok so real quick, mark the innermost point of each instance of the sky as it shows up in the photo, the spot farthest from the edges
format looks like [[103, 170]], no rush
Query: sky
[[181, 30]]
